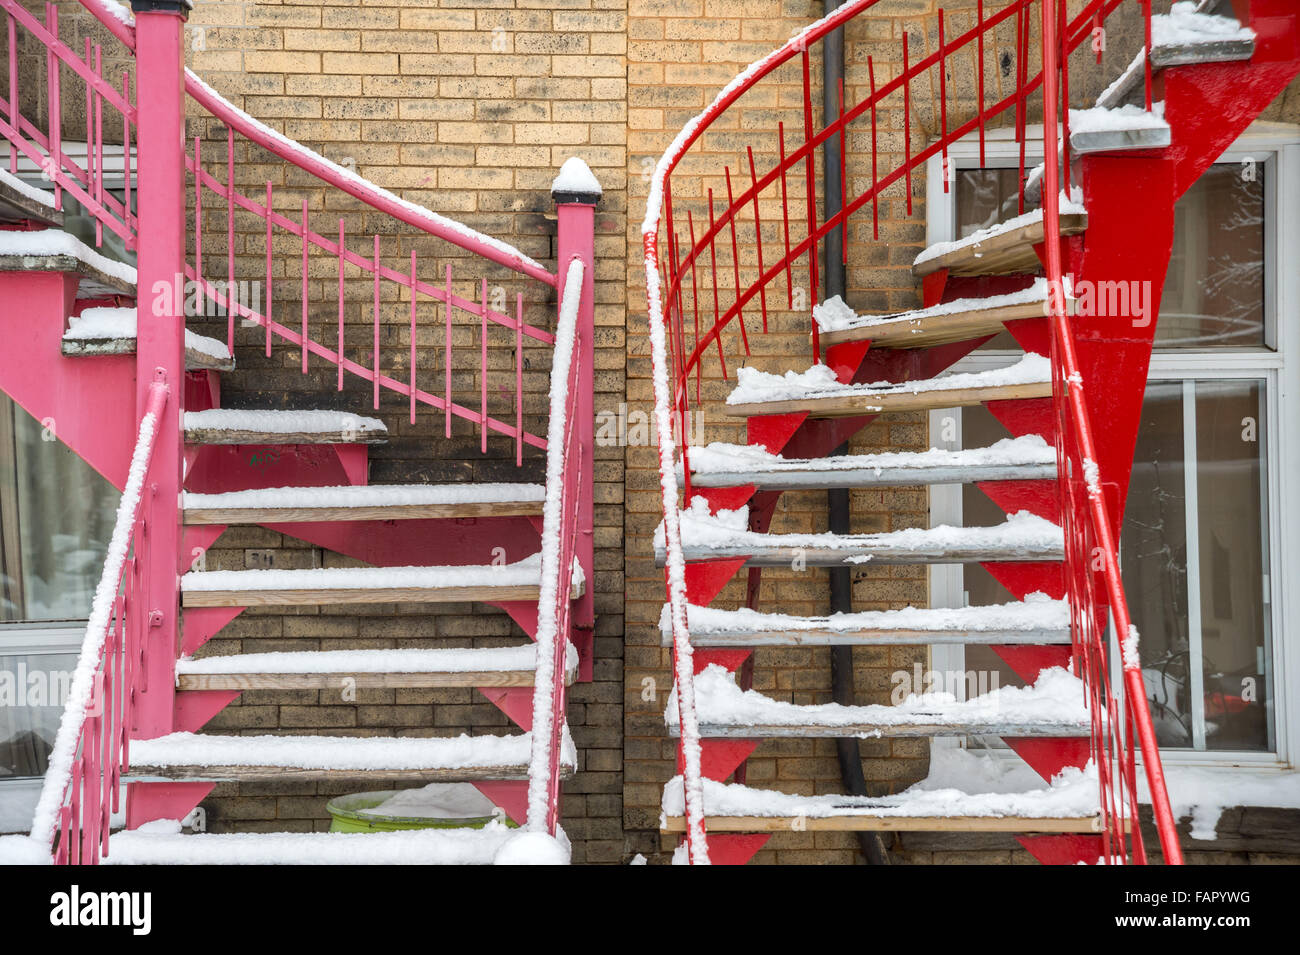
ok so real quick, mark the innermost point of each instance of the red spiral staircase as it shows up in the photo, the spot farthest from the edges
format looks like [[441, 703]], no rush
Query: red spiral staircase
[[722, 272]]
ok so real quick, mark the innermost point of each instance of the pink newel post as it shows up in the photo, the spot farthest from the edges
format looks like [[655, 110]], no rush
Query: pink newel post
[[160, 61], [575, 205]]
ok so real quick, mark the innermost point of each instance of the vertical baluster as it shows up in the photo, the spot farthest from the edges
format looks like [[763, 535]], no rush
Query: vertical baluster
[[1022, 104], [99, 151], [266, 319], [695, 302], [90, 128], [943, 103], [713, 281], [446, 358], [735, 256], [979, 41], [907, 124], [374, 377], [844, 179], [74, 805], [785, 218], [758, 236], [128, 219], [482, 411], [342, 245], [1063, 59], [230, 239], [413, 295], [1146, 50], [13, 85], [305, 248], [519, 380], [56, 109], [198, 215], [875, 187], [810, 190]]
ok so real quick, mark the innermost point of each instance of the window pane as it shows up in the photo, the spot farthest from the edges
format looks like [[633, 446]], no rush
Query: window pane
[[1205, 637], [33, 691], [1214, 289], [56, 517]]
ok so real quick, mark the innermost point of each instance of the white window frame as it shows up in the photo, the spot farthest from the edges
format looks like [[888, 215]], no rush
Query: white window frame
[[1277, 144]]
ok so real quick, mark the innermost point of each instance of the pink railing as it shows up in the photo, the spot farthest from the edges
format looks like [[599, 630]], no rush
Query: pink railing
[[560, 529], [82, 785], [43, 145], [753, 251]]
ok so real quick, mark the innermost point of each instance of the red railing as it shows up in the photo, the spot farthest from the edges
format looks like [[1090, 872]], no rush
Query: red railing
[[82, 784], [757, 251]]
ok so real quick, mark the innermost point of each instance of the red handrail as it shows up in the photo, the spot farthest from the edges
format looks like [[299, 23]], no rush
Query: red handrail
[[690, 251]]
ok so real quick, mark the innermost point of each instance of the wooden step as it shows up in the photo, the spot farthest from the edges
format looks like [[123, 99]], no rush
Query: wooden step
[[382, 502], [22, 203], [195, 757], [366, 585], [1034, 621], [1005, 249], [861, 822], [1029, 458], [364, 669], [1023, 537], [228, 426], [112, 331], [811, 394], [405, 847], [1054, 707], [951, 322], [53, 250]]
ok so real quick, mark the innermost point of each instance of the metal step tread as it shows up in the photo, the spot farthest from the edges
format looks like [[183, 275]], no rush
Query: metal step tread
[[363, 502], [256, 426]]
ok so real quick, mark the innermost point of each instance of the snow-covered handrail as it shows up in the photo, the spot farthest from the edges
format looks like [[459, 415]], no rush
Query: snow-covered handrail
[[559, 544], [90, 751]]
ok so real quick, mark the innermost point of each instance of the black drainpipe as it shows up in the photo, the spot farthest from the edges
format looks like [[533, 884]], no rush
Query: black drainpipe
[[837, 500]]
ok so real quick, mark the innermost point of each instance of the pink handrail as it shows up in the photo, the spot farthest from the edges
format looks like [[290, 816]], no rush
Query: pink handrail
[[91, 748]]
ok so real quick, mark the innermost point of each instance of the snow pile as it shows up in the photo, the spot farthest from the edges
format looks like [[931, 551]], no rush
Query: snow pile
[[721, 458], [283, 422], [151, 845], [534, 848], [707, 528], [576, 177], [434, 801], [47, 242], [1072, 794], [549, 622], [24, 850], [834, 315], [819, 381], [1121, 119], [365, 495], [1055, 702], [1184, 26], [58, 773], [451, 660], [1037, 612], [1070, 205], [111, 324]]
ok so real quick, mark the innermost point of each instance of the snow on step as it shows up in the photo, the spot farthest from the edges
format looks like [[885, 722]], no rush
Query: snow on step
[[21, 202], [245, 588], [707, 536], [1125, 127], [163, 844], [42, 197], [113, 331], [958, 320], [1068, 804], [204, 756], [1054, 706], [1028, 457], [820, 393], [44, 249], [361, 501], [1007, 245], [1036, 619], [1183, 36], [232, 426], [403, 667]]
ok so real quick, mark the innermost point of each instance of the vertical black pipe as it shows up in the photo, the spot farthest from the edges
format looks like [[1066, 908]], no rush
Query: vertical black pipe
[[837, 500]]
